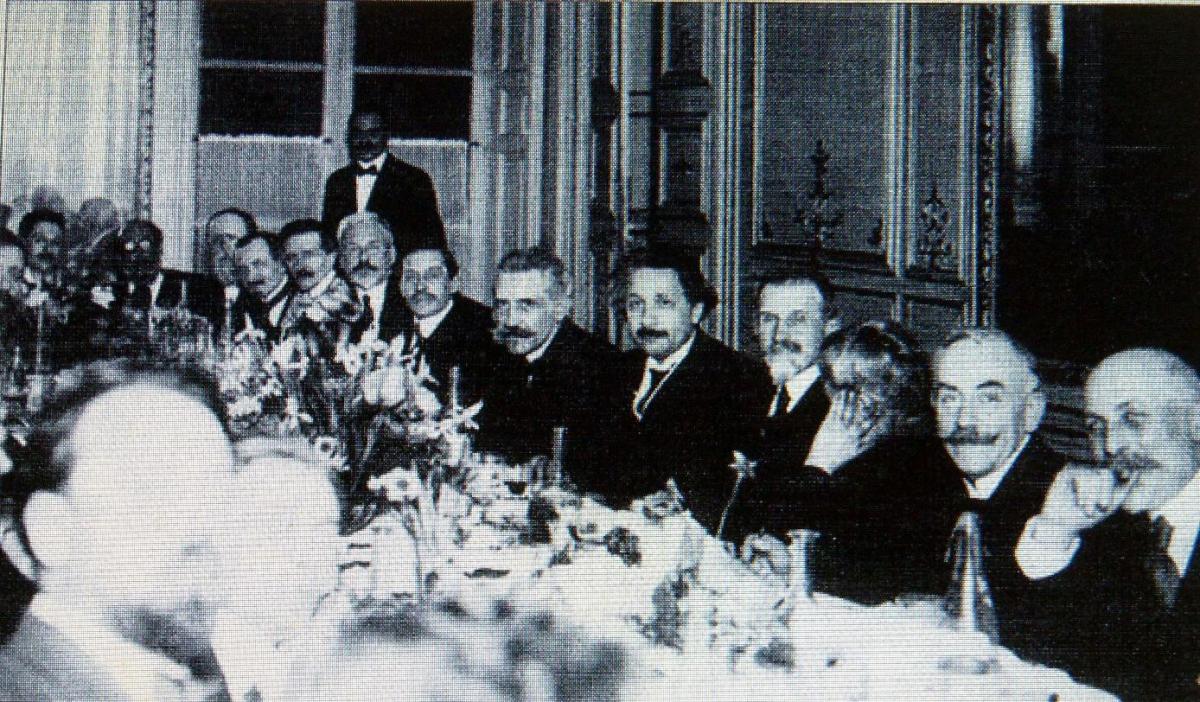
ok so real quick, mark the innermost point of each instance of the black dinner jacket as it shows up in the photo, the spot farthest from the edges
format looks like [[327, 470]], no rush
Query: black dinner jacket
[[249, 307], [570, 386], [708, 407], [1100, 618], [463, 339], [403, 195], [1002, 516], [885, 520], [785, 442], [37, 664]]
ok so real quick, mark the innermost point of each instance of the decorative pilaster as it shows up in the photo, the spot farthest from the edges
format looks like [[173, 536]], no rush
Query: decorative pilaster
[[145, 113], [991, 66]]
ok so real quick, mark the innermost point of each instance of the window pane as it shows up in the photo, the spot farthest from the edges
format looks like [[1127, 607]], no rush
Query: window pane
[[264, 30], [246, 102], [419, 106], [436, 34]]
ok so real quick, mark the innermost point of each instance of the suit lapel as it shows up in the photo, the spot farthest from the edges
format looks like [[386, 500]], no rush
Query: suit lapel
[[674, 388], [48, 656]]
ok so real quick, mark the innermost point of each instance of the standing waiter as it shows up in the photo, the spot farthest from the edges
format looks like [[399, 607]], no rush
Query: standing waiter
[[376, 181]]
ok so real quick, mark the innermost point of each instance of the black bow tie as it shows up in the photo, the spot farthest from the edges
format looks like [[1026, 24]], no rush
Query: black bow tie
[[360, 170]]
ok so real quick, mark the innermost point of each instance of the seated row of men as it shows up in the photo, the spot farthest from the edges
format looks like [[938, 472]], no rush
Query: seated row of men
[[856, 434]]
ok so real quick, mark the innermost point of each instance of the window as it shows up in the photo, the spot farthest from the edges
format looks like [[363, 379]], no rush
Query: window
[[263, 68], [259, 81], [414, 60]]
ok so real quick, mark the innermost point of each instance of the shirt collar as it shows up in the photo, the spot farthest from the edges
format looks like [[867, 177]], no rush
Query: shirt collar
[[669, 363], [376, 162], [139, 672], [278, 291], [541, 350], [800, 383], [1181, 513], [426, 326], [322, 285], [985, 486]]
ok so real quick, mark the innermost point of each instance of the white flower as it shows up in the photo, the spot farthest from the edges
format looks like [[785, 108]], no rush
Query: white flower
[[426, 400], [103, 295], [245, 407]]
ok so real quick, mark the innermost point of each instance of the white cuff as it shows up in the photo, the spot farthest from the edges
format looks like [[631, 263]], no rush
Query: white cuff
[[1043, 550]]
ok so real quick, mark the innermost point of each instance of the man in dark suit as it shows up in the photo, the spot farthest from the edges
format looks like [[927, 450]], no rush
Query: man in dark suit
[[448, 328], [263, 280], [883, 513], [1112, 590], [691, 400], [376, 181], [125, 606], [795, 314], [322, 305], [989, 402], [554, 374], [136, 284], [366, 258]]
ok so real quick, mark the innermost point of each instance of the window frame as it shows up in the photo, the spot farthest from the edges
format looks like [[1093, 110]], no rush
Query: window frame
[[339, 72]]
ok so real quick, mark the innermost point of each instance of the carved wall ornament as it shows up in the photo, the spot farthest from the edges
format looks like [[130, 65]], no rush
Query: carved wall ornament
[[820, 218], [933, 246], [990, 101]]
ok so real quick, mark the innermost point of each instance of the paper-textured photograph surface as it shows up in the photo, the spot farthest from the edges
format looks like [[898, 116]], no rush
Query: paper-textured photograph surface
[[598, 351]]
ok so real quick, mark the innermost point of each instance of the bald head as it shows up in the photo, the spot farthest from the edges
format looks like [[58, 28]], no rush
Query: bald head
[[1143, 417]]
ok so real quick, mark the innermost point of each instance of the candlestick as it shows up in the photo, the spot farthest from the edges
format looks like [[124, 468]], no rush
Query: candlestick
[[558, 450], [454, 400], [39, 342]]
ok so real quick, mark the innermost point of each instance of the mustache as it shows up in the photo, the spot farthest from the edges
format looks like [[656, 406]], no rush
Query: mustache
[[785, 345], [505, 333], [365, 266], [648, 333], [1126, 466], [968, 437]]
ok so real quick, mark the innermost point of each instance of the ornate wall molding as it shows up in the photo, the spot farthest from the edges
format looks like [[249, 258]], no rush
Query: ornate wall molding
[[990, 116], [145, 117]]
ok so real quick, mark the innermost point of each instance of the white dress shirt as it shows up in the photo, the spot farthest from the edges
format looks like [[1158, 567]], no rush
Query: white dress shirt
[[426, 326], [667, 365], [276, 312], [797, 385], [1041, 558], [141, 674], [365, 183], [984, 487], [155, 287], [377, 297], [541, 350]]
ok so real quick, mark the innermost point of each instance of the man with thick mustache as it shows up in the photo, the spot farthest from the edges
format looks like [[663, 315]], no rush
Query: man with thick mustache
[[366, 255], [263, 278], [446, 327], [795, 315], [988, 403], [691, 400], [323, 299], [554, 374], [1112, 589]]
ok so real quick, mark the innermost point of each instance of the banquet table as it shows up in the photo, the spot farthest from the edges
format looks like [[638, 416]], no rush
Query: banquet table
[[698, 622]]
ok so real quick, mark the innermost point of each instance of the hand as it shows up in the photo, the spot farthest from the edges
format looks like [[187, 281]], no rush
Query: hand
[[1081, 497], [763, 549], [843, 434]]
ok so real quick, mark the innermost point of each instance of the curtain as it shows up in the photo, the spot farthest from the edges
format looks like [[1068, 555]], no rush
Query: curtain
[[70, 100]]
